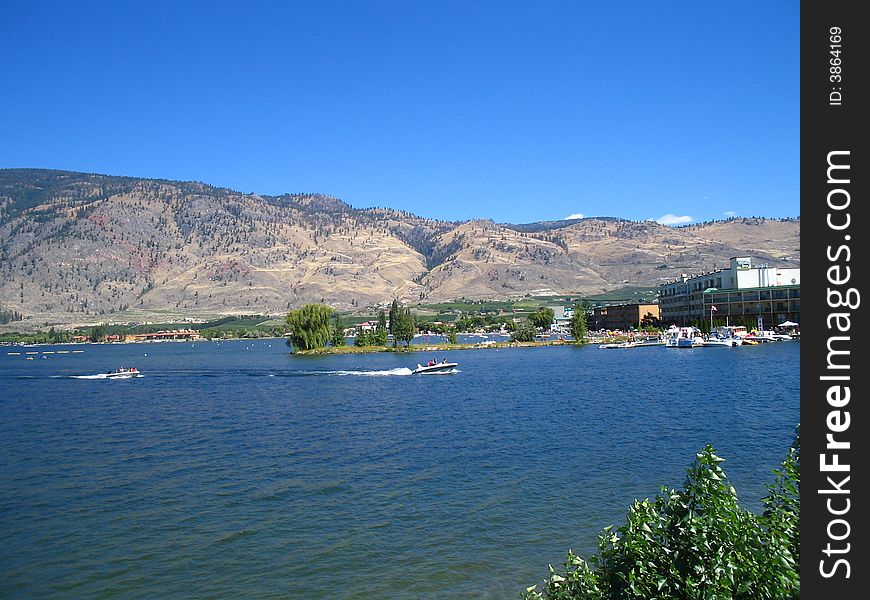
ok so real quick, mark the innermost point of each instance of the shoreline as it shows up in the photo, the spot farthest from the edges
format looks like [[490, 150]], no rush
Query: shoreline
[[431, 347]]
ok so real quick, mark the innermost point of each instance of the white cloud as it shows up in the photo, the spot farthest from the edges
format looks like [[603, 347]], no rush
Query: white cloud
[[730, 213], [574, 216], [670, 219]]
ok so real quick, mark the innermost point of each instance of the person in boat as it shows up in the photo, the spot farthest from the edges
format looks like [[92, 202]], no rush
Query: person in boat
[[443, 361]]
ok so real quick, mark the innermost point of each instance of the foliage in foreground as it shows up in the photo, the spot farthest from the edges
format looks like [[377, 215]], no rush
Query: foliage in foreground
[[695, 543]]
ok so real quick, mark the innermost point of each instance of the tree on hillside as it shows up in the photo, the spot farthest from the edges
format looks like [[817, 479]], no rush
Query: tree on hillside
[[405, 326], [309, 326], [578, 323]]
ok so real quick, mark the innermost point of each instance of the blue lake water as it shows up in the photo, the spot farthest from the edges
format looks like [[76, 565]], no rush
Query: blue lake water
[[237, 470]]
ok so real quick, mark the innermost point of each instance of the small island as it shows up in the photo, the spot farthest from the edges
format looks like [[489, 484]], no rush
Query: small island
[[317, 329]]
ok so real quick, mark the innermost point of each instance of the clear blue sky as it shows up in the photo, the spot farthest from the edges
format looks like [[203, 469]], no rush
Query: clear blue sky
[[517, 111]]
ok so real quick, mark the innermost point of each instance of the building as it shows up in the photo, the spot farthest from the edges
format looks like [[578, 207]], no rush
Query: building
[[622, 316], [173, 335], [758, 297], [562, 315], [366, 326]]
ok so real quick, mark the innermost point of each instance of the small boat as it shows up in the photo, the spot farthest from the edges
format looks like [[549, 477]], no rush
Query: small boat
[[649, 342], [123, 373], [714, 342], [442, 367], [683, 337]]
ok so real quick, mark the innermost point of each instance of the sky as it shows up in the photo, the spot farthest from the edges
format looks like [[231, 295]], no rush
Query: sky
[[515, 111]]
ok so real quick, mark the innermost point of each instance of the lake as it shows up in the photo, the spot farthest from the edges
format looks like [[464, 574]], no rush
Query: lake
[[235, 469]]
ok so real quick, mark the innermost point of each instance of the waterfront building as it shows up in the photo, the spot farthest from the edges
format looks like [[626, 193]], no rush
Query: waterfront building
[[174, 335], [623, 316], [759, 297], [562, 315]]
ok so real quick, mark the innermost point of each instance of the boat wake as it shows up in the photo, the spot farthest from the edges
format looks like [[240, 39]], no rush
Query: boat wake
[[385, 373], [103, 376], [401, 371]]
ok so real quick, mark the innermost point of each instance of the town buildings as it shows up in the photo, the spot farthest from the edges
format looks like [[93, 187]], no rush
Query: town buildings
[[759, 297], [624, 316]]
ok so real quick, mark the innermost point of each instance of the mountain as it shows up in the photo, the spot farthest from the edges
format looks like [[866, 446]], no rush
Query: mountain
[[76, 245]]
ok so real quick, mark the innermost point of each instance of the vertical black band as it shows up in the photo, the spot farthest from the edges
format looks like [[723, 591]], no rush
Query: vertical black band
[[835, 228]]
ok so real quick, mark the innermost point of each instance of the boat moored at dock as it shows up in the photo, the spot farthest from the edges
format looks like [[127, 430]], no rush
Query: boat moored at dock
[[683, 337]]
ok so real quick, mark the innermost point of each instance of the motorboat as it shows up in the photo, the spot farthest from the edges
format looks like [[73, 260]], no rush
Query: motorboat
[[717, 342], [683, 337], [762, 337], [442, 367], [721, 339], [733, 334], [123, 373], [650, 341]]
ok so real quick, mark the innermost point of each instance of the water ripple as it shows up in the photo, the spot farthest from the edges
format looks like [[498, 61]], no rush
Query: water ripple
[[238, 470]]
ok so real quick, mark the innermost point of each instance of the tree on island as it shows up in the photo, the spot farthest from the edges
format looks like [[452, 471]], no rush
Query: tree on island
[[379, 337], [405, 327], [525, 331], [694, 543], [337, 337], [452, 338], [309, 326], [578, 323], [394, 315], [543, 317]]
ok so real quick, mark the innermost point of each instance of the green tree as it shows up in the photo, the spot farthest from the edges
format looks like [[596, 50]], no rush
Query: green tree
[[543, 317], [98, 333], [337, 338], [394, 314], [649, 322], [380, 334], [695, 543], [525, 332], [309, 326], [578, 323], [405, 327], [783, 502], [452, 338]]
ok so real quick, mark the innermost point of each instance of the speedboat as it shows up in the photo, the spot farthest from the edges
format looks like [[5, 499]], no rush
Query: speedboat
[[715, 342], [123, 373], [442, 367]]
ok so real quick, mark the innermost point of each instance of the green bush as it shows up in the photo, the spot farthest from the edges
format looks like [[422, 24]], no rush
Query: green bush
[[693, 544]]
